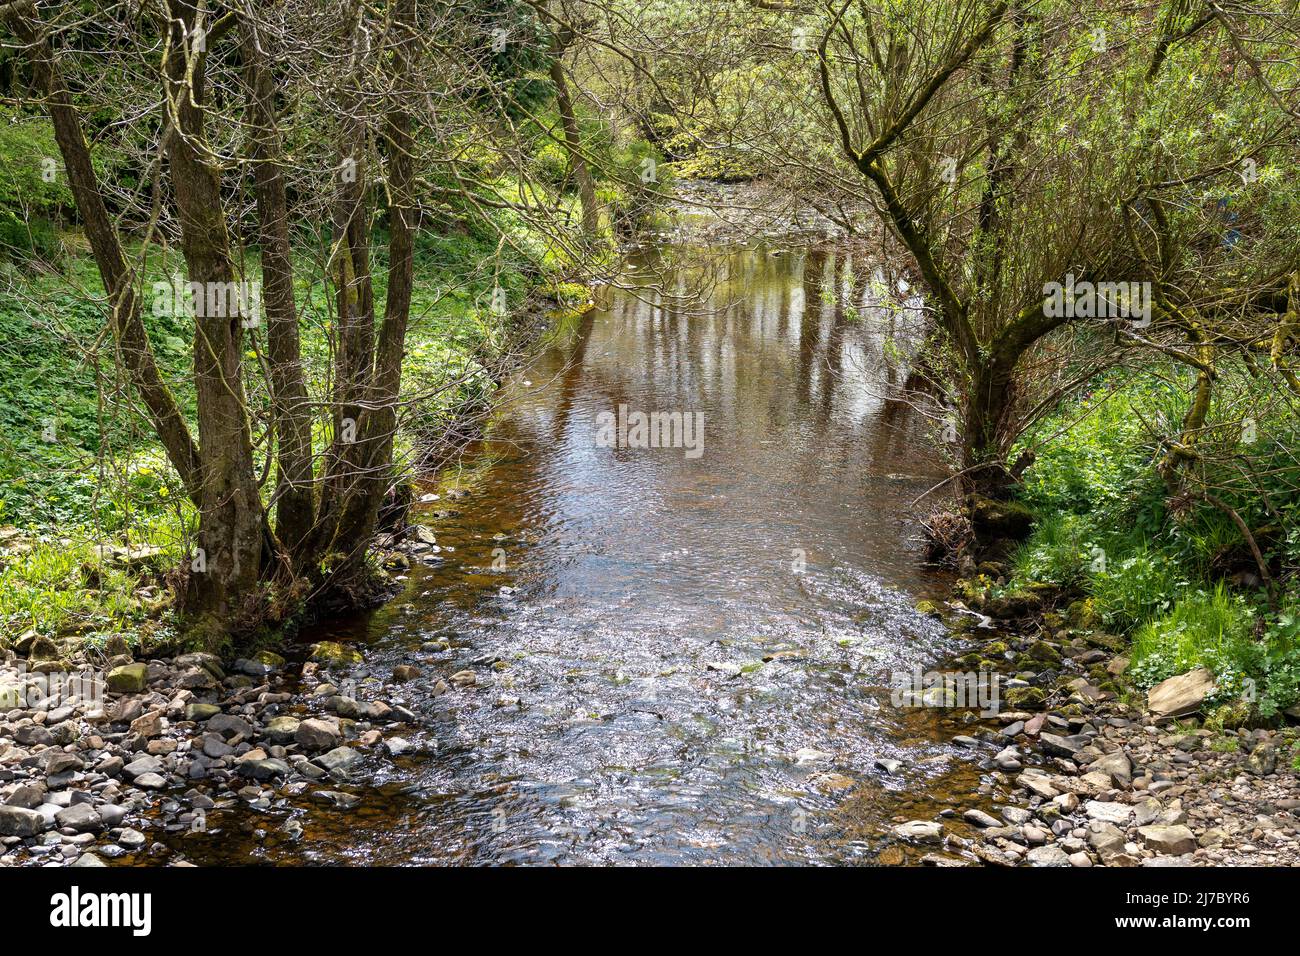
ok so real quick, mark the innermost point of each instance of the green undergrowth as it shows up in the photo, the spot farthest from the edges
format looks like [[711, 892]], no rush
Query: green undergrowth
[[78, 468], [1180, 581]]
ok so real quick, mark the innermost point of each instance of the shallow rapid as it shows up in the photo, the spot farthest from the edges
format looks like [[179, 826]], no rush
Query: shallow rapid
[[680, 658]]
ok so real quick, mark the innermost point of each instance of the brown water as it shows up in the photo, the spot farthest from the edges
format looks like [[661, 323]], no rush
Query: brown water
[[670, 631]]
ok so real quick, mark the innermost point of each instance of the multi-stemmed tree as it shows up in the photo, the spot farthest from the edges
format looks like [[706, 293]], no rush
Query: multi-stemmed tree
[[304, 139]]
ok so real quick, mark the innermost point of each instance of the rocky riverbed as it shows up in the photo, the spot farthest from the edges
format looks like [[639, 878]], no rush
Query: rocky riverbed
[[1109, 777], [1087, 781], [103, 754]]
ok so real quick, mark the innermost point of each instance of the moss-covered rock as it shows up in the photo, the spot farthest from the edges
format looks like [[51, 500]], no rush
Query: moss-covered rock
[[42, 649], [128, 679], [1082, 615], [999, 519], [1043, 653], [201, 712], [1018, 603], [333, 653], [270, 659], [1021, 698], [1108, 642], [1230, 716]]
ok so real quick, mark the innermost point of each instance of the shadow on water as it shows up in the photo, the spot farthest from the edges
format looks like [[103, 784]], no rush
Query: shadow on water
[[680, 659]]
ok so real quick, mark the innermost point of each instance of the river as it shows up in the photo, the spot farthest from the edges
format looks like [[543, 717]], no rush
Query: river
[[684, 654]]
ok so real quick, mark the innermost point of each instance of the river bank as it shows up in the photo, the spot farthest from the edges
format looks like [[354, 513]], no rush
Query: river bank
[[179, 751], [1081, 769]]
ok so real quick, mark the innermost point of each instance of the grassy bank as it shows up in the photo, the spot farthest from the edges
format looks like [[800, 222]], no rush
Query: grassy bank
[[1175, 576]]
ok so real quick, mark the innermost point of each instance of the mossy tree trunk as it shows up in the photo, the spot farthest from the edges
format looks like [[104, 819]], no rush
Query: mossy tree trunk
[[224, 582]]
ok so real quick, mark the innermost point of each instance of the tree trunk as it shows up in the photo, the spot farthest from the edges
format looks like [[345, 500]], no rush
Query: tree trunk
[[988, 401], [293, 499], [224, 583], [134, 351], [360, 515], [573, 145]]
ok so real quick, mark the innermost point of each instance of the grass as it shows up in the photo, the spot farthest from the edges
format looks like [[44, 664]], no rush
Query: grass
[[59, 587], [1203, 629], [1142, 583]]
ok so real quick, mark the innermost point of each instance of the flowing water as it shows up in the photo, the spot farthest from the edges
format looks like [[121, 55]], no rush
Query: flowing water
[[664, 639]]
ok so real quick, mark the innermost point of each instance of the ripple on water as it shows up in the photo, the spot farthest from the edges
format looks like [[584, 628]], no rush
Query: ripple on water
[[694, 655]]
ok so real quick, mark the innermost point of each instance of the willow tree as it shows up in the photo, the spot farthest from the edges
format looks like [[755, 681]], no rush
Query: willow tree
[[1001, 141]]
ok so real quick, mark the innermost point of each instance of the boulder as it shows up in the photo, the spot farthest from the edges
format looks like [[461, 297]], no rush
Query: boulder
[[80, 817], [1167, 840], [1262, 760], [21, 822], [128, 679], [316, 734], [260, 664], [333, 653], [1058, 746], [1116, 813], [60, 762], [1106, 838], [405, 672], [201, 712], [29, 796], [922, 830], [143, 765], [1049, 855], [979, 818], [1148, 811], [282, 729], [1039, 784], [149, 725], [262, 768], [1116, 765], [339, 759], [1181, 695], [228, 725]]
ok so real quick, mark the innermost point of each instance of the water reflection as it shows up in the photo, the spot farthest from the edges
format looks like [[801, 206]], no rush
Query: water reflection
[[680, 659]]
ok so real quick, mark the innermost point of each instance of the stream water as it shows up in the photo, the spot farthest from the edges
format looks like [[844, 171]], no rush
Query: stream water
[[680, 658]]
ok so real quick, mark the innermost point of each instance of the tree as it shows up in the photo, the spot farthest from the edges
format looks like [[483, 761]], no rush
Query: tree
[[1006, 144], [373, 98]]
